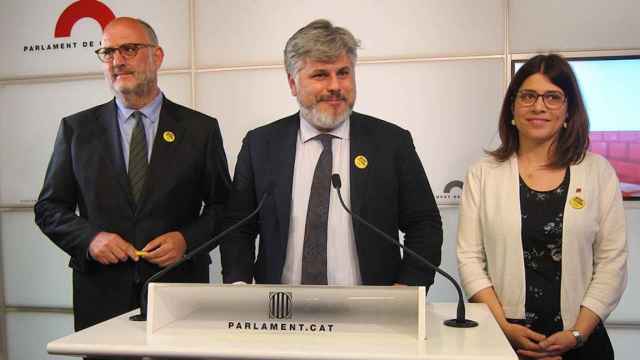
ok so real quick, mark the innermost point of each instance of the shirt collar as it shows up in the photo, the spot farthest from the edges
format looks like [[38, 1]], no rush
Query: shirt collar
[[308, 131], [150, 111]]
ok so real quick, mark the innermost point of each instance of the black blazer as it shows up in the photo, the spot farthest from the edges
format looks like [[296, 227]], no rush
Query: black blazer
[[392, 192], [87, 172]]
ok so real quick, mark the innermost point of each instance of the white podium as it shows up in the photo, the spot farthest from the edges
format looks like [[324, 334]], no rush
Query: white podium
[[188, 339]]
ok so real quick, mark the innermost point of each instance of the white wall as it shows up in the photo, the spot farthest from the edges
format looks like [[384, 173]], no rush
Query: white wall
[[435, 67]]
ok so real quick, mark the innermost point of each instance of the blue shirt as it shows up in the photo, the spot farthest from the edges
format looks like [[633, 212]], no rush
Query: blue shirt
[[126, 124]]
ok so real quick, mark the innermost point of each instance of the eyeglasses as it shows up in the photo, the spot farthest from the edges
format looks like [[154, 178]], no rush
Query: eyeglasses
[[128, 51], [552, 99]]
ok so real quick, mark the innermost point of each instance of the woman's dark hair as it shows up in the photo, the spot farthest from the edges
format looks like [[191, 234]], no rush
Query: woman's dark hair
[[571, 145]]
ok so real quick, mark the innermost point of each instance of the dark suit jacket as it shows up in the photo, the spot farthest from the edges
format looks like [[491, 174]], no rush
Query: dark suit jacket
[[392, 192], [87, 172]]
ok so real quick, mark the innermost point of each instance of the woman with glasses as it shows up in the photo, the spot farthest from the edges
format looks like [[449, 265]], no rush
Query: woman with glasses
[[542, 237]]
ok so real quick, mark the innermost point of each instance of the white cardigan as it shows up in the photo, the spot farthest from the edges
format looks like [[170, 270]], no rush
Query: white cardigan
[[594, 244]]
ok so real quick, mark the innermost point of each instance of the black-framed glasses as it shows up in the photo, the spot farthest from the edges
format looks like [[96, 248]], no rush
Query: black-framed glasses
[[551, 99], [128, 51]]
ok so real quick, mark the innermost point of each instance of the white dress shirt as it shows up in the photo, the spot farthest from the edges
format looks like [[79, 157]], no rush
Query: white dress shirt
[[342, 256]]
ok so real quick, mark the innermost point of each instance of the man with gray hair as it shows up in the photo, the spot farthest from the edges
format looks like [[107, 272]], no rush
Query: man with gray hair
[[305, 236], [148, 178]]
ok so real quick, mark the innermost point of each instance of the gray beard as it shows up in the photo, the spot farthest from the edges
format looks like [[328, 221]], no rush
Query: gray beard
[[140, 90], [322, 121]]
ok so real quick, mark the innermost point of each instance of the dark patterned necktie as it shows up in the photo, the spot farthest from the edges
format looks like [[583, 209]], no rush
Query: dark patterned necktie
[[314, 255], [137, 157]]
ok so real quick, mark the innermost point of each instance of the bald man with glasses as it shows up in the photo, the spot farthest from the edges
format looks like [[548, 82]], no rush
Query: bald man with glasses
[[132, 184]]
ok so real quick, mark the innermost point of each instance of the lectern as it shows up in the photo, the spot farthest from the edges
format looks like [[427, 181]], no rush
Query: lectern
[[290, 322]]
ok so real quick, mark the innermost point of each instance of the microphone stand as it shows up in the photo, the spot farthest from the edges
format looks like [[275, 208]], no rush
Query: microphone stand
[[145, 288], [460, 321]]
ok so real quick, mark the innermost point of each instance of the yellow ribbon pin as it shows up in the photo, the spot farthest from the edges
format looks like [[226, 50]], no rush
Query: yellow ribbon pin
[[361, 162], [169, 136], [576, 202]]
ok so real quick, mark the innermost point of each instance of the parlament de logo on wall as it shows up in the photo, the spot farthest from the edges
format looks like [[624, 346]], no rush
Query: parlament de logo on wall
[[76, 11], [450, 194], [81, 9]]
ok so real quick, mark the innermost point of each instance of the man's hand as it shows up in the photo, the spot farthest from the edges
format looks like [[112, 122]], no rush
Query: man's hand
[[166, 249], [109, 248]]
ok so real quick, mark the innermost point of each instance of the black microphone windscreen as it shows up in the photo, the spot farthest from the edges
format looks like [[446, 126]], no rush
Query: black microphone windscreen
[[335, 181]]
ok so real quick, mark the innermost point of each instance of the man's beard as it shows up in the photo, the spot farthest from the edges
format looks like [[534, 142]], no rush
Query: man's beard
[[323, 121], [140, 89], [145, 81]]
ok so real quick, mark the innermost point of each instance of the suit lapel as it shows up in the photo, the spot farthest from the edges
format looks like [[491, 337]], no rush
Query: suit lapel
[[113, 142], [282, 147], [164, 146], [360, 145]]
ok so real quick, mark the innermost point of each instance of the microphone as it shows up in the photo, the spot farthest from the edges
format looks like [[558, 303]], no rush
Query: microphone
[[215, 241], [460, 321]]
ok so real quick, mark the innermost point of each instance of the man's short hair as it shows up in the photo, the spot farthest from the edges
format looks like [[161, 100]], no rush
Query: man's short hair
[[320, 41]]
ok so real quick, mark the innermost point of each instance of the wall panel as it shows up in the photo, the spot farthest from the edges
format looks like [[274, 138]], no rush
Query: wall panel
[[34, 270], [31, 114], [628, 309], [28, 334], [242, 35], [450, 107], [243, 100], [624, 341], [550, 25]]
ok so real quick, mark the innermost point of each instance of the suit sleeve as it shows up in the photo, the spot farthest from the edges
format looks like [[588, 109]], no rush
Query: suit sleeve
[[238, 251], [418, 217], [55, 210], [215, 192]]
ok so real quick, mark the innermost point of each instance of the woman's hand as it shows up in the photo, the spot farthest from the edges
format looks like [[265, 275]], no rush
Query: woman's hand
[[521, 337], [560, 342], [551, 347]]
